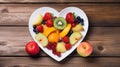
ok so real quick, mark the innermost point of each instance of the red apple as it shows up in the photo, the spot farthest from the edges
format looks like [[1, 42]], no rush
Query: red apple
[[32, 48], [84, 49]]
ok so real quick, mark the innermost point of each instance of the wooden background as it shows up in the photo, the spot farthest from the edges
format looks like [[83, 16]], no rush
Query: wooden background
[[103, 34]]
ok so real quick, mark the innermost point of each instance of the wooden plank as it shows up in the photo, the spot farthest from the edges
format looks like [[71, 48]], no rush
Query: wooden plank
[[105, 41], [68, 62], [98, 14], [54, 1]]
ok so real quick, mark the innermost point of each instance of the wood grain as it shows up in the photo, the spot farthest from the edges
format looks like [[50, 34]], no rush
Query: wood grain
[[105, 41], [98, 14], [68, 62], [54, 1]]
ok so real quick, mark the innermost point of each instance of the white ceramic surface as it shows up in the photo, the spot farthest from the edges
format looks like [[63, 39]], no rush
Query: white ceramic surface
[[62, 13]]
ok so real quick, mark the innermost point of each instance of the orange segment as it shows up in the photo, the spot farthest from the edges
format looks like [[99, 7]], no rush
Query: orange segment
[[53, 37]]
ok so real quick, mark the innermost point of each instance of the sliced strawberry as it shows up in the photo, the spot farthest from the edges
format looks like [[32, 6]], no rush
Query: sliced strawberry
[[47, 16], [68, 46], [70, 17], [39, 28], [65, 39], [49, 23]]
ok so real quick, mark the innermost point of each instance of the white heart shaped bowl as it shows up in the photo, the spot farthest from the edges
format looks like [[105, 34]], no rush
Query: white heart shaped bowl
[[62, 13]]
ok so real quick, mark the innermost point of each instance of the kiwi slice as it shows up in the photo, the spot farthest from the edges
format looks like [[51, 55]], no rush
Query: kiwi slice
[[60, 23]]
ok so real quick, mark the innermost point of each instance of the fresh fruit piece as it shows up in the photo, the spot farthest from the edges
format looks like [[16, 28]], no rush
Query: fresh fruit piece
[[53, 37], [39, 28], [73, 24], [49, 46], [78, 28], [34, 27], [60, 23], [65, 31], [32, 48], [42, 39], [79, 20], [75, 37], [38, 19], [61, 47], [65, 39], [84, 49], [35, 31], [70, 17], [70, 32], [68, 46], [48, 30], [47, 16], [49, 23]]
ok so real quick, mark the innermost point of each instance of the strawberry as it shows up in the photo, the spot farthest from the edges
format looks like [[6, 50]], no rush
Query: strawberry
[[65, 39], [73, 24], [49, 23], [70, 17], [47, 16], [68, 46], [39, 28]]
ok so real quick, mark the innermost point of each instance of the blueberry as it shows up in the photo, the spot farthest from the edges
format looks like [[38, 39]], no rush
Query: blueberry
[[76, 20], [43, 22], [34, 27], [82, 22], [79, 20], [78, 17], [70, 32], [35, 31]]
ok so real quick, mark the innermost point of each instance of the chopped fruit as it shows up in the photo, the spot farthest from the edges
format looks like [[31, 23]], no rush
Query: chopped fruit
[[38, 19], [78, 28], [65, 31], [73, 24], [65, 39], [84, 49], [34, 27], [53, 37], [61, 47], [42, 39], [49, 23], [39, 28], [32, 48], [70, 17], [58, 34], [79, 20], [47, 16], [48, 30], [60, 23], [75, 36], [68, 46]]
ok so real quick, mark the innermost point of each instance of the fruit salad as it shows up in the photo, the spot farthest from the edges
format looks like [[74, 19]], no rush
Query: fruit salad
[[58, 34]]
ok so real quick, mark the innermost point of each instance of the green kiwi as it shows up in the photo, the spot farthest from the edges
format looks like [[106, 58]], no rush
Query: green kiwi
[[60, 23]]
